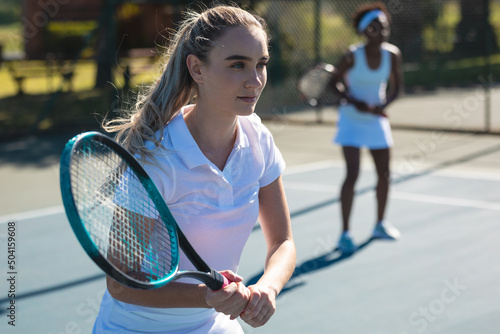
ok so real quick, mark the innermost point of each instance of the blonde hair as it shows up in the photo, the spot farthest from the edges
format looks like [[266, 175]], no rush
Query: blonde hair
[[155, 107]]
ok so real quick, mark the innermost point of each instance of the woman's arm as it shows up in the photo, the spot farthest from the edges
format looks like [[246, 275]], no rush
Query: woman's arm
[[340, 88], [396, 80], [230, 300], [172, 295], [274, 219], [336, 83]]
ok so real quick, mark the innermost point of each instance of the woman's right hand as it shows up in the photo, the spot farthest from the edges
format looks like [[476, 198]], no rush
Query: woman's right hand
[[361, 106], [379, 110], [231, 299]]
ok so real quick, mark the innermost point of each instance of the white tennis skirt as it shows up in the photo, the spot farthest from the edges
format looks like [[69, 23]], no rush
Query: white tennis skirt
[[118, 317], [358, 129]]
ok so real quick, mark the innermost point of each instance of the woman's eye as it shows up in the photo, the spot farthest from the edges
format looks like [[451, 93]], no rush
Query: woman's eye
[[262, 65], [238, 65]]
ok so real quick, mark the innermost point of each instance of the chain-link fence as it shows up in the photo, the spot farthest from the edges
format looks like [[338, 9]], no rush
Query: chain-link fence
[[449, 47]]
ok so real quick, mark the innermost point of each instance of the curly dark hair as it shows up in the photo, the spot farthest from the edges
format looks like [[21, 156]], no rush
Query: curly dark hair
[[368, 7]]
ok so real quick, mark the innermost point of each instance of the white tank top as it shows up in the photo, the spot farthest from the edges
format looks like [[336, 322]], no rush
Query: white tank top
[[366, 84], [362, 129]]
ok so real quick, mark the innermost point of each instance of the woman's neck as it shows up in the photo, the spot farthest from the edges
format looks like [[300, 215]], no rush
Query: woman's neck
[[214, 134], [372, 47]]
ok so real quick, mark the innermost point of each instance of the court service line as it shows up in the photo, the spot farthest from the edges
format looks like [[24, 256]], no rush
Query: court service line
[[446, 200], [306, 186], [472, 175], [304, 168], [312, 166], [39, 213], [437, 171]]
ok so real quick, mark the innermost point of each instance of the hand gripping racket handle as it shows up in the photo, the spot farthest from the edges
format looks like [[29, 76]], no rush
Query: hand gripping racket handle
[[220, 281]]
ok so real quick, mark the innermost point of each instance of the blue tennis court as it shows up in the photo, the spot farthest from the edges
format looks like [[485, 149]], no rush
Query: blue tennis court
[[440, 277]]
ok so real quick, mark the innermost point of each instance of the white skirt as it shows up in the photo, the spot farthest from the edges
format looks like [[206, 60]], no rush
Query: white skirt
[[118, 317], [359, 129]]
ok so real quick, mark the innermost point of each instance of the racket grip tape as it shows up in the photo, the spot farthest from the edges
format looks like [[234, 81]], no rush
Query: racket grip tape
[[220, 281]]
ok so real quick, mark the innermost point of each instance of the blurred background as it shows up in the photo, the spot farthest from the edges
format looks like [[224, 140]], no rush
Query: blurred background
[[65, 64]]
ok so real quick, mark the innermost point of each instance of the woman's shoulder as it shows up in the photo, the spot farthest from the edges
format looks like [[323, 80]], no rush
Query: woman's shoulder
[[355, 46], [393, 49], [160, 150], [252, 126], [159, 141], [252, 121], [347, 59]]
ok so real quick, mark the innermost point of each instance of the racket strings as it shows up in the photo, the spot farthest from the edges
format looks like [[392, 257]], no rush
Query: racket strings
[[313, 84], [120, 217]]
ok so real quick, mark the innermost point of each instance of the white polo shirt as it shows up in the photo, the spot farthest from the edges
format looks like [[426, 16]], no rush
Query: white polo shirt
[[215, 209]]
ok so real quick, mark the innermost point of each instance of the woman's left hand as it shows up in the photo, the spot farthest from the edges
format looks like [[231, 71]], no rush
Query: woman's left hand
[[379, 110], [260, 307], [231, 299]]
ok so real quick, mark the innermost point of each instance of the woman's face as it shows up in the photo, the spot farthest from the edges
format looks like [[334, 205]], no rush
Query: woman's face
[[234, 74], [378, 31]]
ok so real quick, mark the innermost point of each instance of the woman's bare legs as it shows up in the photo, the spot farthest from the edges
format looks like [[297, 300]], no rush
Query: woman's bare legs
[[351, 157], [381, 159]]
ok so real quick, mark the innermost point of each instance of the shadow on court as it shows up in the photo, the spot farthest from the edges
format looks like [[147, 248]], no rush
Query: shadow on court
[[335, 257], [6, 301], [310, 266], [447, 164], [398, 180], [34, 151]]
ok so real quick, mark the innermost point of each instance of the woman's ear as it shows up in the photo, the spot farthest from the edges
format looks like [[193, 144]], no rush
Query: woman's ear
[[194, 66]]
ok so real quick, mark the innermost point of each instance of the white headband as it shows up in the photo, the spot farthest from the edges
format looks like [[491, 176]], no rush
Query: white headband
[[369, 18]]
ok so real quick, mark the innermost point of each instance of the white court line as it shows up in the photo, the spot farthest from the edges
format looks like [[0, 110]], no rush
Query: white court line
[[304, 186], [459, 174], [446, 201], [473, 175], [54, 210], [310, 167], [307, 186]]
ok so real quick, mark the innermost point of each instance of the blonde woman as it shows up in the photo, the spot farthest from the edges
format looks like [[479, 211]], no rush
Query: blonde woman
[[218, 170]]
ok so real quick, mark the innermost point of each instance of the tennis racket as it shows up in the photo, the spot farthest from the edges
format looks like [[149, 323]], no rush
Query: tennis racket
[[313, 83], [120, 218]]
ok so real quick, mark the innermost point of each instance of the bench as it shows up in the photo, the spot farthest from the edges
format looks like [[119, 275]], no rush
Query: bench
[[138, 61], [20, 69]]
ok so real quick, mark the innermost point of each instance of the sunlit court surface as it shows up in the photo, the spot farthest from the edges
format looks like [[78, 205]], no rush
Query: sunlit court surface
[[440, 277]]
